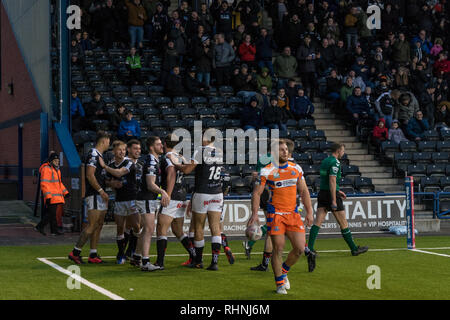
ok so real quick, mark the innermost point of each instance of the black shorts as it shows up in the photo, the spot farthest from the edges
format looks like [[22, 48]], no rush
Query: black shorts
[[324, 200], [264, 199]]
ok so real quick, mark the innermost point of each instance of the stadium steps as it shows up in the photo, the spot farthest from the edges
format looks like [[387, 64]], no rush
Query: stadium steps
[[356, 151]]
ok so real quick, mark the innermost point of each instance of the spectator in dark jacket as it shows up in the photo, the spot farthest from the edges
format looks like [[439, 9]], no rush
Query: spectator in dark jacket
[[306, 55], [245, 84], [117, 117], [291, 31], [203, 57], [206, 18], [264, 50], [193, 86], [272, 114], [249, 10], [333, 86], [252, 116], [109, 24], [160, 25], [442, 116], [224, 20], [129, 128], [170, 60], [417, 126], [96, 109], [301, 107], [175, 87], [427, 102], [357, 105]]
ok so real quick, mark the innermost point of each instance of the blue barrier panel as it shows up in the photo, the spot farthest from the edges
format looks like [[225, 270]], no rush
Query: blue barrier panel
[[410, 236], [445, 214]]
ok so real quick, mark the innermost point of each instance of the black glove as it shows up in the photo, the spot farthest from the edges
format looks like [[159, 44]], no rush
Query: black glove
[[67, 196]]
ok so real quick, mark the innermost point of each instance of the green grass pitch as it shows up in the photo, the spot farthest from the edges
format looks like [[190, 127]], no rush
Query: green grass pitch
[[404, 274]]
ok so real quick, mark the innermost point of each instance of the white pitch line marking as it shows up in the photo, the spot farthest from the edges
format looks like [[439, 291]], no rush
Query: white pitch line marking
[[97, 288], [241, 253], [434, 253]]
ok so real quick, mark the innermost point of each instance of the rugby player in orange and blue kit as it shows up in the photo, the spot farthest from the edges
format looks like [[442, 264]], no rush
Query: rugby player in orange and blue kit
[[284, 181]]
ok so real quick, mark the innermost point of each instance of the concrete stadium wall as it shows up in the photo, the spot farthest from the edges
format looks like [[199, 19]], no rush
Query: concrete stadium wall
[[24, 62]]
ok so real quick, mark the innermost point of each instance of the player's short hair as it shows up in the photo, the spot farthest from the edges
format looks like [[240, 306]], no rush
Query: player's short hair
[[336, 146], [133, 142], [171, 140], [290, 144], [118, 143], [151, 141], [102, 135], [282, 141]]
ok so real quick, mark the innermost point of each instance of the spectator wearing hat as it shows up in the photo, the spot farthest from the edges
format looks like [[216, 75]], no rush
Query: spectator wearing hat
[[264, 50], [285, 67], [405, 109], [252, 116], [396, 133], [136, 20], [301, 107], [203, 57], [53, 193], [193, 86], [77, 112], [272, 114], [417, 126], [264, 79], [129, 128]]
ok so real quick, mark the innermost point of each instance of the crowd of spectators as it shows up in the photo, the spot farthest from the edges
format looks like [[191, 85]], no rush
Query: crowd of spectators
[[394, 79]]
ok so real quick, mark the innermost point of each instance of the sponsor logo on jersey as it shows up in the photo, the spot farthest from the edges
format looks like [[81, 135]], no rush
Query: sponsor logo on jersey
[[286, 183]]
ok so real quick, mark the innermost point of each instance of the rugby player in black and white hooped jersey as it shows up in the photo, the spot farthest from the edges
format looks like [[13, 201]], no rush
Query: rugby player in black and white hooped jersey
[[172, 215], [207, 200], [96, 200], [123, 169], [148, 202]]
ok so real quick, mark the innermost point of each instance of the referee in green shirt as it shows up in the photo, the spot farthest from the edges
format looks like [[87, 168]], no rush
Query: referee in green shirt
[[330, 199]]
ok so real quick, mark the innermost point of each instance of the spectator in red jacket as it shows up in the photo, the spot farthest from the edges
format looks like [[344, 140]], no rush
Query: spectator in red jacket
[[380, 133], [247, 51], [442, 65]]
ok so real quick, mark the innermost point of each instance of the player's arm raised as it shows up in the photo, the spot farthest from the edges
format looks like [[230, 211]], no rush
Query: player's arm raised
[[306, 200]]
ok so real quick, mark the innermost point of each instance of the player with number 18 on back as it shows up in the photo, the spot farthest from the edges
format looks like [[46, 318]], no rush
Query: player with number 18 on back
[[207, 200]]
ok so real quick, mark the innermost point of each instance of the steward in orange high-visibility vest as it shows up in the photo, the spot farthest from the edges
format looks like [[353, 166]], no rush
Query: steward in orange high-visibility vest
[[53, 192]]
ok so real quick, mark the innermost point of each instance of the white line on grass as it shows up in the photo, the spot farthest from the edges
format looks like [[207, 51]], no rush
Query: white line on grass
[[241, 253], [428, 252], [97, 288]]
